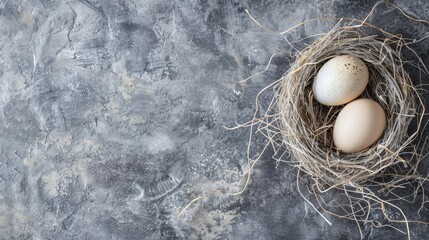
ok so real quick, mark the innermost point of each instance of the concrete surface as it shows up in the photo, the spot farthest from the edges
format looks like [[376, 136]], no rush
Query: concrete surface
[[112, 116]]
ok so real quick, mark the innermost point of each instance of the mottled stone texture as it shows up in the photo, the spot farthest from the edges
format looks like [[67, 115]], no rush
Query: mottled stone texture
[[112, 115]]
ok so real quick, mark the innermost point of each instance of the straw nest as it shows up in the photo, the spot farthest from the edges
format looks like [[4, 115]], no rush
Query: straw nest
[[306, 126], [300, 130]]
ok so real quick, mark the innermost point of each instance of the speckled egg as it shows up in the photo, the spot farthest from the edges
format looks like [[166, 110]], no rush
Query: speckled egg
[[340, 80], [359, 125]]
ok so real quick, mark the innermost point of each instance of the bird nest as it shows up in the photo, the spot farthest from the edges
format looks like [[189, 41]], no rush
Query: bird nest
[[300, 130]]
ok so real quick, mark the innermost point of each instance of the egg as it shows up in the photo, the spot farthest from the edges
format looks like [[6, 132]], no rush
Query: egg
[[359, 125], [340, 80]]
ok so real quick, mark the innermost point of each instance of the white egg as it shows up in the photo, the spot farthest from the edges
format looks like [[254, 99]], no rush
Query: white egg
[[340, 80], [359, 125]]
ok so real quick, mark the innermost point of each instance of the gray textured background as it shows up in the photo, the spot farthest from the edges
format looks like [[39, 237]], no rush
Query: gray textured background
[[112, 115]]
